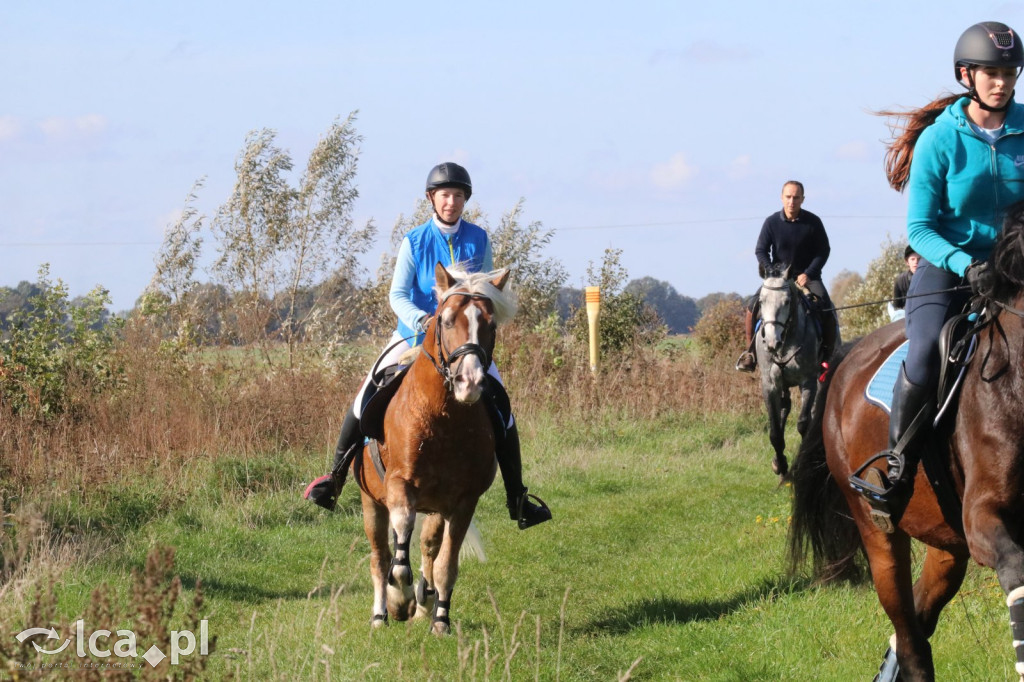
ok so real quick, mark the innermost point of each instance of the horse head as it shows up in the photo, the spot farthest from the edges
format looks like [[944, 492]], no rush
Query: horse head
[[470, 307], [778, 298]]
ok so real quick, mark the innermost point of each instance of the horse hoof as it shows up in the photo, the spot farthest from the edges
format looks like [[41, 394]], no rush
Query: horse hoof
[[379, 621], [441, 628], [780, 466]]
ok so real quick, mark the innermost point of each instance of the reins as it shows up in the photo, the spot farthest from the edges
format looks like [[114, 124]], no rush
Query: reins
[[444, 360]]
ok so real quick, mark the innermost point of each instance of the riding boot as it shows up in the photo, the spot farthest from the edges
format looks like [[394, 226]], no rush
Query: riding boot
[[325, 490], [747, 362], [889, 496], [516, 498], [829, 334]]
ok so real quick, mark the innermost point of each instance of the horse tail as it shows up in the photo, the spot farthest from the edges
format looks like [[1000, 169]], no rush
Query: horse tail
[[820, 518], [473, 544]]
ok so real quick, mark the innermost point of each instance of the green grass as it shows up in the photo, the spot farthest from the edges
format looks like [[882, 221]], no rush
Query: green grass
[[665, 559]]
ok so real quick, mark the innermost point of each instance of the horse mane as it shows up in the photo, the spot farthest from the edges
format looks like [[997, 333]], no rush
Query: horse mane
[[503, 300], [1008, 255]]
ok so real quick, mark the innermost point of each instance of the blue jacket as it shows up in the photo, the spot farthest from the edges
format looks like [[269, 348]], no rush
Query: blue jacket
[[412, 286], [960, 187]]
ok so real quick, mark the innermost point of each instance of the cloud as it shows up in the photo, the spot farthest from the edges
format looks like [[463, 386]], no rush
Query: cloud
[[63, 128], [852, 151], [9, 127], [675, 173]]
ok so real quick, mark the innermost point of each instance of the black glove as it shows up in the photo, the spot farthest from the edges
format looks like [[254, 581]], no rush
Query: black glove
[[980, 276]]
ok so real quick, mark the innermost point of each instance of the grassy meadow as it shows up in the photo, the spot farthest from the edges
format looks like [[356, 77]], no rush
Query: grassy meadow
[[665, 559]]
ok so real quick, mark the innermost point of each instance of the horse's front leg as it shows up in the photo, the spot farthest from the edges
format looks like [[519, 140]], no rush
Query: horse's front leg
[[446, 566], [777, 403], [431, 537], [375, 523], [402, 506], [992, 543]]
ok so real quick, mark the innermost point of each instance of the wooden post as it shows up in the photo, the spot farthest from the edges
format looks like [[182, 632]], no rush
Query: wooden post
[[593, 298]]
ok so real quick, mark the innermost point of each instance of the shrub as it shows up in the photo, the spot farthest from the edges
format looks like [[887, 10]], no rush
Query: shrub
[[720, 329]]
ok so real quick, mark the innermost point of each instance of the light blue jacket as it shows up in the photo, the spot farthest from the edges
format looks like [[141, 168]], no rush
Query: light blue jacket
[[960, 187], [412, 286]]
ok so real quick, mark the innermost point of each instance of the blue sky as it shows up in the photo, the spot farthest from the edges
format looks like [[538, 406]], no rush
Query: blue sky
[[664, 129]]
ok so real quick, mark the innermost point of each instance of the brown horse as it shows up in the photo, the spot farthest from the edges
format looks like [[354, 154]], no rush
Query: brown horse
[[980, 450], [437, 452]]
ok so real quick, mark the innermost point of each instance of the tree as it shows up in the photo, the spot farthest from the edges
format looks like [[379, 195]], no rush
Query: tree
[[866, 303], [277, 242], [537, 280], [679, 313], [708, 302]]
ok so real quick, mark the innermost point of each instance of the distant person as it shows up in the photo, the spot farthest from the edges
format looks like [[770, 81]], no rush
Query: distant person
[[960, 160], [450, 240], [796, 237], [901, 285]]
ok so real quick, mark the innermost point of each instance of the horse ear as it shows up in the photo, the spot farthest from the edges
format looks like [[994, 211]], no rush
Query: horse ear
[[502, 279], [760, 271], [785, 273], [444, 279]]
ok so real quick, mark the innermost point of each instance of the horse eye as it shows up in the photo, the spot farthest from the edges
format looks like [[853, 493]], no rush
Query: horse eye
[[448, 324]]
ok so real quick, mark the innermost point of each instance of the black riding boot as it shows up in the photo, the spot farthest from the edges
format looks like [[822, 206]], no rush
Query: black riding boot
[[829, 334], [325, 490], [889, 496], [516, 498]]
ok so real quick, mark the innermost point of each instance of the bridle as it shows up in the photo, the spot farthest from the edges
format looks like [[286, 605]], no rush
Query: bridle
[[444, 360], [786, 326]]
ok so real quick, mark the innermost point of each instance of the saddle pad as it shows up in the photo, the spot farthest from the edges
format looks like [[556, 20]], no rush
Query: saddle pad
[[879, 390]]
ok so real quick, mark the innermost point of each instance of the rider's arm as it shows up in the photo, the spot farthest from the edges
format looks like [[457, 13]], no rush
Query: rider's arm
[[402, 283], [821, 250], [764, 245]]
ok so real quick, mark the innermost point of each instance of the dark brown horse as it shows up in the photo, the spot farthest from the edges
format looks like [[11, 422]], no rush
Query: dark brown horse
[[981, 449], [437, 452]]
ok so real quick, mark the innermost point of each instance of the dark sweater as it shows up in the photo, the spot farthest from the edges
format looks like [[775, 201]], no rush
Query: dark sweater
[[802, 243]]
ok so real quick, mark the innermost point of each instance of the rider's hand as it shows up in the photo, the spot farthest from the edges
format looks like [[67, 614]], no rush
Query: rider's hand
[[801, 279], [980, 276]]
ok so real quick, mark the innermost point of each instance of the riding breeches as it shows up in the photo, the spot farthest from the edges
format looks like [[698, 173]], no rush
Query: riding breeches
[[930, 302]]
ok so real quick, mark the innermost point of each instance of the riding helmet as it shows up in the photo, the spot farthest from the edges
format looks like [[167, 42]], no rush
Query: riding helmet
[[450, 175], [989, 43]]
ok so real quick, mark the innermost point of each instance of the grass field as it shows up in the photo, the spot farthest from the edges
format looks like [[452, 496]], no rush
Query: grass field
[[665, 561]]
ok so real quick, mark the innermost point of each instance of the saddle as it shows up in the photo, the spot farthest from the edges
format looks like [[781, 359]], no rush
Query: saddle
[[383, 388]]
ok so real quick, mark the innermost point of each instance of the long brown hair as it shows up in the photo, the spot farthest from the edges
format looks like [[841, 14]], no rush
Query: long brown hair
[[906, 127]]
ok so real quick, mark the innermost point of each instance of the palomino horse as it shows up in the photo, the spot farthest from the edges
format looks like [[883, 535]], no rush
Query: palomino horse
[[437, 453], [980, 450], [787, 351]]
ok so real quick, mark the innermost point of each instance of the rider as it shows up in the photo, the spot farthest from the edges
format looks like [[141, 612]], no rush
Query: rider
[[960, 156], [901, 284], [796, 237], [450, 240]]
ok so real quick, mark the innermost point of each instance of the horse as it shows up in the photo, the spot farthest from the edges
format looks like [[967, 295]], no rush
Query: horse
[[979, 452], [787, 346], [437, 452]]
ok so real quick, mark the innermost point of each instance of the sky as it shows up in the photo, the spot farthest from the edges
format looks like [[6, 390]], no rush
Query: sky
[[661, 129]]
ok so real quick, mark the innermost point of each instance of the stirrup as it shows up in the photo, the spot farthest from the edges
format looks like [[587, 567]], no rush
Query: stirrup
[[747, 362], [883, 492], [540, 513]]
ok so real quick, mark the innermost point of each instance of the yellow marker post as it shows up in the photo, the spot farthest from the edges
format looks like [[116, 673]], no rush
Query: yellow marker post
[[593, 298]]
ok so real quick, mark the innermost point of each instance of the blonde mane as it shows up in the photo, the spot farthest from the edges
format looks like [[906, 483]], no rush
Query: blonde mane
[[503, 300]]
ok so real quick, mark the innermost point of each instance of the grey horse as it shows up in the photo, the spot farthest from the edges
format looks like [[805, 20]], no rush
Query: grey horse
[[787, 347]]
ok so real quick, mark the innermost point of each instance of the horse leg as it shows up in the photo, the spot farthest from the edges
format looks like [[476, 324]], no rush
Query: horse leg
[[401, 598], [889, 558], [375, 523], [808, 391], [776, 401], [992, 544], [446, 567], [431, 537]]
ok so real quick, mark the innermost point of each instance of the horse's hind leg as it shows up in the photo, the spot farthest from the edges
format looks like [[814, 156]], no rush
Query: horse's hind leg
[[375, 523], [431, 538], [889, 557], [777, 402], [808, 390]]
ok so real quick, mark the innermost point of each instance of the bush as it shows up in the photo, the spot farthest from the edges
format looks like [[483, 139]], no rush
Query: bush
[[720, 329]]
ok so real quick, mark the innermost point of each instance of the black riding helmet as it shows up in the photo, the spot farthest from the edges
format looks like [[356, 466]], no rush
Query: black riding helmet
[[989, 43], [449, 175]]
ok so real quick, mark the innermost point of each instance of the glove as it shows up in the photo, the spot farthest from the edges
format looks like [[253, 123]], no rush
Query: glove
[[980, 276]]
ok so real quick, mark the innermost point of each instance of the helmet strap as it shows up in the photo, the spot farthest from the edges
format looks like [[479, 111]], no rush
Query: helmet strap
[[972, 92]]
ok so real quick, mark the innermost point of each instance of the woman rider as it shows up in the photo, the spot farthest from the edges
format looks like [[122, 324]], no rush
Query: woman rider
[[962, 160], [447, 239]]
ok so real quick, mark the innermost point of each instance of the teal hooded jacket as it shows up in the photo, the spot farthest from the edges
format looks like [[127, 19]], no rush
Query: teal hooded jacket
[[961, 185]]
